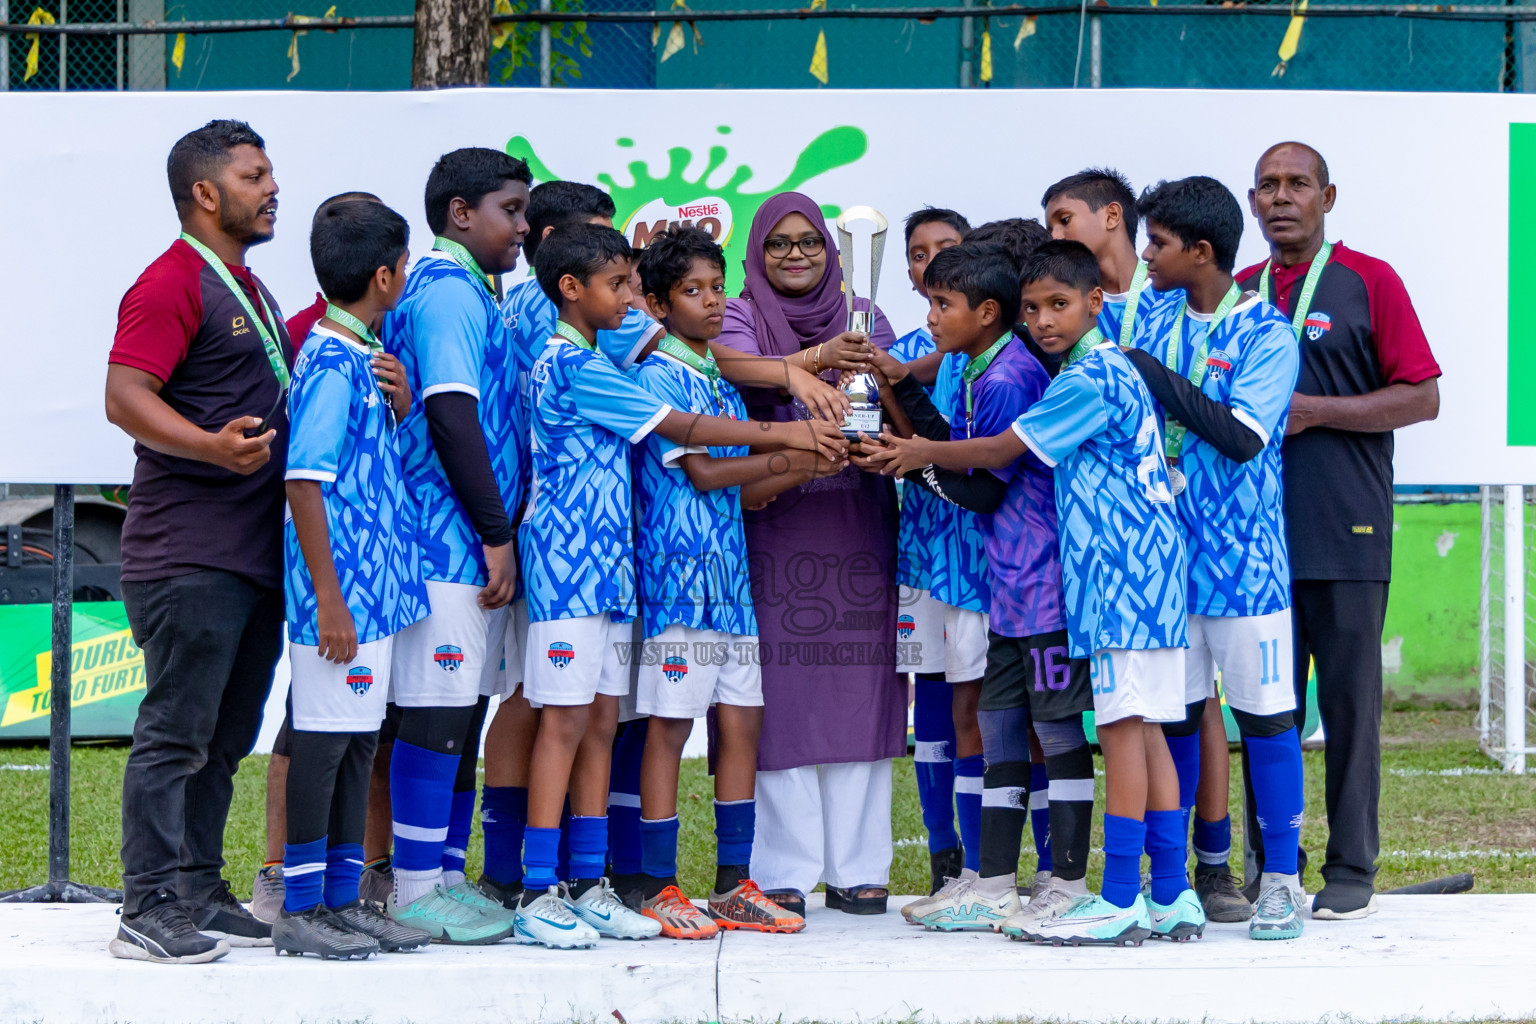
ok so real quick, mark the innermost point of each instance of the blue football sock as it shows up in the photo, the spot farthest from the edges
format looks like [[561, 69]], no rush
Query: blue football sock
[[1166, 850], [968, 785], [1186, 761], [933, 733], [540, 856], [1275, 763], [658, 847], [421, 801], [1123, 840], [303, 875], [735, 827], [563, 852], [461, 819], [624, 800], [1040, 815], [589, 846], [503, 816], [1213, 841], [343, 867]]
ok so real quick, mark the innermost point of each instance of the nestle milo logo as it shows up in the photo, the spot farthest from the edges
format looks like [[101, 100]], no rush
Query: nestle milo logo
[[648, 204]]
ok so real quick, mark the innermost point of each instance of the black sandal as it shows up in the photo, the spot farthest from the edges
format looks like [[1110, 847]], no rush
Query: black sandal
[[792, 900], [857, 899]]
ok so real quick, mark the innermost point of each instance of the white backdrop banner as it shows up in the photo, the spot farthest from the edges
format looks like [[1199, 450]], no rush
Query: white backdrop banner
[[1424, 182]]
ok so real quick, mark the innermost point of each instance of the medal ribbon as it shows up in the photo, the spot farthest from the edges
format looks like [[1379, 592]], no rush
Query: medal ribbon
[[1304, 302], [706, 365], [265, 326], [338, 315], [978, 366], [1132, 302], [1174, 431], [1091, 340], [460, 255], [572, 335]]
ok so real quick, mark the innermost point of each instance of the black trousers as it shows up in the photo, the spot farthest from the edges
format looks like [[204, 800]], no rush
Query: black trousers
[[210, 641], [1338, 624]]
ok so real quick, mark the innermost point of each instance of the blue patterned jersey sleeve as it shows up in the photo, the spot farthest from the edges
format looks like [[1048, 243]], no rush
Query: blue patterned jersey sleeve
[[1263, 382], [318, 417], [606, 397], [452, 326], [1070, 412], [622, 346]]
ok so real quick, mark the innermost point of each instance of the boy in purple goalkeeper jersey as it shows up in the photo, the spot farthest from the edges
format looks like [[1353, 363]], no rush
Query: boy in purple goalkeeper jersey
[[1029, 679]]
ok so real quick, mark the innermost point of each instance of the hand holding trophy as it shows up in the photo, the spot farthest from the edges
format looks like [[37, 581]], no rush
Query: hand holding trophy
[[862, 388]]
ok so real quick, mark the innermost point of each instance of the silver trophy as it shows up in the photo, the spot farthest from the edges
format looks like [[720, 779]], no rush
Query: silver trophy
[[863, 391]]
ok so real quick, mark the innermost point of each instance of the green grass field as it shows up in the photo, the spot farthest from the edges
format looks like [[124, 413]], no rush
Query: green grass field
[[1444, 809]]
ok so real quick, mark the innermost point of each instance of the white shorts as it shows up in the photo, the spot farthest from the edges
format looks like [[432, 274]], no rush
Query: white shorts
[[627, 711], [509, 672], [328, 697], [568, 662], [919, 632], [444, 660], [1254, 655], [1148, 684], [684, 670], [965, 645]]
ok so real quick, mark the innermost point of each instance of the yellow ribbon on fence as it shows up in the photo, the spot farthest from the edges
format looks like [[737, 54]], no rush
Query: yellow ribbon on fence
[[293, 44], [986, 55], [818, 67], [676, 38], [39, 17], [1292, 41], [501, 31], [179, 52], [1026, 29]]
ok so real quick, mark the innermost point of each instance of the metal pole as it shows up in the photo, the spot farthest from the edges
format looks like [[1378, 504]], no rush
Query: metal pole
[[5, 49], [546, 74], [119, 49], [1484, 619], [1514, 629], [1095, 52], [59, 702], [63, 46], [967, 45]]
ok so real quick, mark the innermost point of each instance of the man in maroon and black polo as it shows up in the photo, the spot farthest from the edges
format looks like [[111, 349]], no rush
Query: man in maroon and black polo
[[1366, 369], [200, 362]]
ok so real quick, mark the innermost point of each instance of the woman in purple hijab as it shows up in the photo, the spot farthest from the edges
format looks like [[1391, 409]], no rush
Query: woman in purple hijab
[[824, 584]]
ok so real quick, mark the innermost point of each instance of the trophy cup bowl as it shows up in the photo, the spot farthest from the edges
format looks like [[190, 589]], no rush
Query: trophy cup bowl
[[862, 389]]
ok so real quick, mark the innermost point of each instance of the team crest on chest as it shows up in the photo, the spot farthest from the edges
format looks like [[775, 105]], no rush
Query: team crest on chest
[[1218, 364], [360, 680], [448, 657], [905, 626], [561, 654], [1316, 325], [674, 668]]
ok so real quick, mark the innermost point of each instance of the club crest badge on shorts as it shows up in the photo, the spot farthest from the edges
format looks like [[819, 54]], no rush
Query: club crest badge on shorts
[[448, 657], [1316, 325], [360, 680], [561, 654], [674, 668], [906, 625]]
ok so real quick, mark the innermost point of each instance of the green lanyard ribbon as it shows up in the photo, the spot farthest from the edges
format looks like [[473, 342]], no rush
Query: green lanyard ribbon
[[705, 365], [460, 255], [572, 335], [1132, 301], [978, 366], [338, 315], [1092, 340], [1304, 302], [1174, 430], [265, 325]]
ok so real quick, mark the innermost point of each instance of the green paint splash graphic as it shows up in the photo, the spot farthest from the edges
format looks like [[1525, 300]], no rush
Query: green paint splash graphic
[[834, 148]]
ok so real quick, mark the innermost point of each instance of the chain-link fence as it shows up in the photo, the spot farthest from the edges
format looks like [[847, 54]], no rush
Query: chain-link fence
[[174, 44], [1507, 625]]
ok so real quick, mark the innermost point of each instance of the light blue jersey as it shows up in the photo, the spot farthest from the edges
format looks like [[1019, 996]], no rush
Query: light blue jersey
[[1234, 513], [1122, 550], [691, 545], [449, 335], [530, 316], [1112, 314], [922, 511], [960, 556], [342, 438], [577, 537]]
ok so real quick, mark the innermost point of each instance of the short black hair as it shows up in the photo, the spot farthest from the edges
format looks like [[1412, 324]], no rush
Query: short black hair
[[979, 271], [1017, 236], [1322, 165], [350, 241], [936, 215], [1197, 209], [343, 197], [665, 261], [580, 250], [1098, 187], [469, 174], [200, 155], [553, 203], [1071, 263]]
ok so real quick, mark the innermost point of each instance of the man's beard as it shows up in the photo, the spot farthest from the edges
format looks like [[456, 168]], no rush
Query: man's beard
[[241, 223]]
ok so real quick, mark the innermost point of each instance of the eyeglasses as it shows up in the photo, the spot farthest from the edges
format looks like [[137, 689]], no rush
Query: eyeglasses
[[779, 247]]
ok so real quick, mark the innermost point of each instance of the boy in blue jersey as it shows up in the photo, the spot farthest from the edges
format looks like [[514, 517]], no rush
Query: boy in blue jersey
[[1122, 558], [699, 627], [461, 464], [1223, 364], [353, 581], [920, 619], [578, 564], [1030, 681]]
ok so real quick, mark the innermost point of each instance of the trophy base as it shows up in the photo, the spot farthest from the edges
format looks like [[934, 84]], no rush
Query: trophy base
[[866, 421]]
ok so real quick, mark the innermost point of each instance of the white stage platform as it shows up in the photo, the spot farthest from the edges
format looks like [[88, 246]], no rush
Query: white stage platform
[[1425, 957]]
